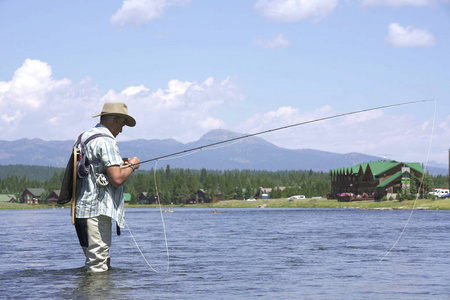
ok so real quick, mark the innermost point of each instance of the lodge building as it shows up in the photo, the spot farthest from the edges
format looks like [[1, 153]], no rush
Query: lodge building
[[374, 179]]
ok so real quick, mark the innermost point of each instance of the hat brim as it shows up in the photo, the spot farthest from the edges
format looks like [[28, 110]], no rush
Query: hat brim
[[130, 121]]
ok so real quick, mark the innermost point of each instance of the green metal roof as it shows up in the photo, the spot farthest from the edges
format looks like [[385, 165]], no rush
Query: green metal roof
[[126, 197], [391, 179], [415, 166], [377, 167]]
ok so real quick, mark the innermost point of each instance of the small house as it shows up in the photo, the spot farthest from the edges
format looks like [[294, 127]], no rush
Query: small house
[[200, 196], [7, 198], [32, 196], [53, 197]]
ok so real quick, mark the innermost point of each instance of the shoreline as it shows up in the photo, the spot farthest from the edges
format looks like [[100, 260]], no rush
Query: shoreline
[[420, 204]]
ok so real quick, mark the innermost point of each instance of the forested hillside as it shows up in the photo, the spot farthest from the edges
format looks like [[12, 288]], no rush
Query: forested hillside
[[31, 172]]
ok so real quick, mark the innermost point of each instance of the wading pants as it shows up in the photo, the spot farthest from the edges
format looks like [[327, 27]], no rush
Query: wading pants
[[94, 235]]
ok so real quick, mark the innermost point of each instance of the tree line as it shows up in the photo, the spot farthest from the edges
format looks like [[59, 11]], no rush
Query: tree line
[[180, 185]]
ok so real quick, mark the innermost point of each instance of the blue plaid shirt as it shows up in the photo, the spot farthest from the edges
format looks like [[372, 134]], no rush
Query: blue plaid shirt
[[94, 199]]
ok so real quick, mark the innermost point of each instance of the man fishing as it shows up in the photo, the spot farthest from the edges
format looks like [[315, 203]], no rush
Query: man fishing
[[99, 195]]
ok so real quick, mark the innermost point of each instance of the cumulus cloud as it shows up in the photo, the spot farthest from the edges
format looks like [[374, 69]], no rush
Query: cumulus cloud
[[397, 3], [140, 12], [33, 104], [183, 110], [28, 84], [400, 37], [277, 42], [295, 10]]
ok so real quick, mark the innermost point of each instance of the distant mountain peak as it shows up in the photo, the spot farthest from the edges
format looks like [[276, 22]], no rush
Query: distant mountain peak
[[218, 135]]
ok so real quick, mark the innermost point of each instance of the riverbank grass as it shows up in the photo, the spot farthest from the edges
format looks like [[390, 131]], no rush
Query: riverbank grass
[[441, 204], [438, 204]]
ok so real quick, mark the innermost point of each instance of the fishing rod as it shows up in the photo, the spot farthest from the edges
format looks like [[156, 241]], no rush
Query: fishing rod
[[280, 128]]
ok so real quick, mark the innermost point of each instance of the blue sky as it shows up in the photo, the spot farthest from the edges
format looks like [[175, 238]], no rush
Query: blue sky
[[185, 67]]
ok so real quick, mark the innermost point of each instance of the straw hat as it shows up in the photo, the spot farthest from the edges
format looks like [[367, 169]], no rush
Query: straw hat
[[117, 109]]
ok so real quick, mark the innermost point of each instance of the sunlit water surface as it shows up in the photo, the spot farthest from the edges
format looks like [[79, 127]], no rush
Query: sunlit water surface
[[236, 254]]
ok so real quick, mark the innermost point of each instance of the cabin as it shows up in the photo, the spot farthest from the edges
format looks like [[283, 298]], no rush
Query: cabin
[[32, 196], [7, 198], [372, 181], [200, 196], [53, 197], [145, 198]]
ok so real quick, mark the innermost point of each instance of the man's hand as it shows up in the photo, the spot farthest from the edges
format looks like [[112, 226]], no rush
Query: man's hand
[[133, 161], [118, 175]]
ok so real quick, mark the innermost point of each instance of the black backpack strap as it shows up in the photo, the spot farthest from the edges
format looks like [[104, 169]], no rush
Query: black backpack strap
[[96, 136], [79, 140]]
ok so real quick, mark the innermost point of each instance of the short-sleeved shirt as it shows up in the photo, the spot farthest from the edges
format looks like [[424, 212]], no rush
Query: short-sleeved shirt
[[94, 199]]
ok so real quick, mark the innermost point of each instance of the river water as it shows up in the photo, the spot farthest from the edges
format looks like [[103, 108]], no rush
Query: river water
[[236, 254]]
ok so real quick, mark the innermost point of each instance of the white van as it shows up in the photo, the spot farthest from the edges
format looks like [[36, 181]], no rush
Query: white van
[[440, 192]]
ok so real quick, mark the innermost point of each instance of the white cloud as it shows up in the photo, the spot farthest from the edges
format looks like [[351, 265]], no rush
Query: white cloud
[[399, 37], [28, 85], [183, 110], [140, 12], [34, 104], [397, 3], [403, 137], [354, 119], [211, 123], [134, 90], [277, 42], [295, 10], [283, 116]]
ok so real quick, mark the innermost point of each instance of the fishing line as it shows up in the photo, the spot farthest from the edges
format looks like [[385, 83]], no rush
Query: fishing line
[[163, 224], [139, 248], [135, 242], [284, 127], [162, 217], [420, 186]]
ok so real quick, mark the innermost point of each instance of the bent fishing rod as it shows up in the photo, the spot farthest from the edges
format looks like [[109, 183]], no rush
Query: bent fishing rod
[[281, 128]]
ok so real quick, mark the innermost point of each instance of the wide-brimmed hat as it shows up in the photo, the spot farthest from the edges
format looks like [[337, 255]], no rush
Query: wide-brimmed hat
[[117, 109]]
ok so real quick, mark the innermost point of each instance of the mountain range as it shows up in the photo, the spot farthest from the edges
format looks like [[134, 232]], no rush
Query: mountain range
[[251, 153]]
